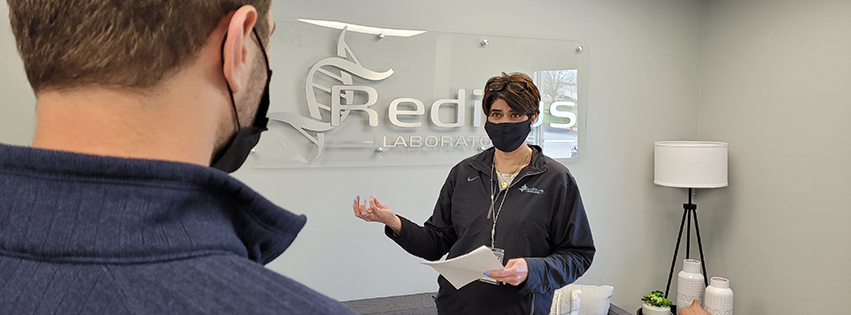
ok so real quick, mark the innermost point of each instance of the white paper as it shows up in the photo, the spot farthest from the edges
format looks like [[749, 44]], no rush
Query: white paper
[[461, 270]]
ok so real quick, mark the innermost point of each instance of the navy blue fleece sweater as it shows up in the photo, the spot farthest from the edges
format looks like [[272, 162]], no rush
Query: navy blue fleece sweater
[[83, 234]]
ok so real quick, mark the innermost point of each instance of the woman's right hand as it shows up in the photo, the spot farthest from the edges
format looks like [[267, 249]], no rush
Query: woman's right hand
[[373, 210]]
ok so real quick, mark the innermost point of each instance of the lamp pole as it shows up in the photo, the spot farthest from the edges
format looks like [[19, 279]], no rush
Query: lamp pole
[[689, 213]]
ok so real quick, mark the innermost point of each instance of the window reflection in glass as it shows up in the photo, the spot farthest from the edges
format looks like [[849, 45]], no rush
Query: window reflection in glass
[[557, 130]]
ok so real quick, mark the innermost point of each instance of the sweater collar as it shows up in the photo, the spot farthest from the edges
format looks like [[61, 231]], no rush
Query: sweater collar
[[66, 206]]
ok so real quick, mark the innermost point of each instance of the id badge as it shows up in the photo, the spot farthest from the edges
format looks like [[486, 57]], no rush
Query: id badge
[[500, 255]]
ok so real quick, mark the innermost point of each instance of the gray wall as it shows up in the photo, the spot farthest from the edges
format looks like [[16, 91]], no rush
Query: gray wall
[[769, 77], [775, 85], [644, 86], [17, 110]]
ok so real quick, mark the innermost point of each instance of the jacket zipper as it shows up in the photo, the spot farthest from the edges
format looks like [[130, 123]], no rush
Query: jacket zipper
[[533, 305]]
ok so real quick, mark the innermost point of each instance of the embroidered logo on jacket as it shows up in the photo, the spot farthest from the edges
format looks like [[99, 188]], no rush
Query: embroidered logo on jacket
[[531, 190]]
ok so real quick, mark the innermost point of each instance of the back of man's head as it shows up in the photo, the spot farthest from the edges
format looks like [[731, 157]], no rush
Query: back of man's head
[[134, 44]]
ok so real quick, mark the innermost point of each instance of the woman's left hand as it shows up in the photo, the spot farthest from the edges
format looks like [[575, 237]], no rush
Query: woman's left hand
[[514, 273]]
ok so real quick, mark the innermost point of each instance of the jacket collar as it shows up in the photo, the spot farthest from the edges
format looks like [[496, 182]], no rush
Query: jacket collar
[[484, 161], [66, 206]]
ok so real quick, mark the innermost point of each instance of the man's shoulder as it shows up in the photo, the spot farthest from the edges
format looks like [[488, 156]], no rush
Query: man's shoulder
[[211, 284], [220, 284]]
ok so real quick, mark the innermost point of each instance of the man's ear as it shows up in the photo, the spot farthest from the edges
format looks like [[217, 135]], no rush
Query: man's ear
[[235, 53]]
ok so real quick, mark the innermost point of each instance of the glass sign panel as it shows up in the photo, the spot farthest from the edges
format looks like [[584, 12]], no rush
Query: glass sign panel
[[347, 97]]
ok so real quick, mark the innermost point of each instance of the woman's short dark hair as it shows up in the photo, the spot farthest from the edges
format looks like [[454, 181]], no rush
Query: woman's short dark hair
[[516, 89]]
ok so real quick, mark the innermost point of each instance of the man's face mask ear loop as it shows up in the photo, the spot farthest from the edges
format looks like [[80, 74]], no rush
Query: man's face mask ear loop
[[236, 151]]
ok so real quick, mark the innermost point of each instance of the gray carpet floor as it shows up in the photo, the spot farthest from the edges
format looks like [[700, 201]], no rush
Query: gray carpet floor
[[415, 304]]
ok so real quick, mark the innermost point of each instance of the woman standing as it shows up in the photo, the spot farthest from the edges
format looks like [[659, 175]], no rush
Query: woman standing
[[512, 198]]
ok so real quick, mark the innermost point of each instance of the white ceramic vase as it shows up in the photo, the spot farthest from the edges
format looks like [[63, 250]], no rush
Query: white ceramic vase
[[719, 297], [690, 284], [647, 309]]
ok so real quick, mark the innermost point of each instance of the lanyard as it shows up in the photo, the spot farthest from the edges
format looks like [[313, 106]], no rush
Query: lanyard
[[491, 212]]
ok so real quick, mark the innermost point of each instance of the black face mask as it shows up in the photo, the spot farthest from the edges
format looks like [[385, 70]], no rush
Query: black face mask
[[233, 154], [507, 137]]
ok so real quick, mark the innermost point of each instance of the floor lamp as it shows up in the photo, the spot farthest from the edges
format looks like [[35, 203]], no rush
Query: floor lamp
[[690, 164]]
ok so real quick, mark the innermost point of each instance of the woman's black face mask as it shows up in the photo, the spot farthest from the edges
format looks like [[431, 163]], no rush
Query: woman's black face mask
[[507, 137]]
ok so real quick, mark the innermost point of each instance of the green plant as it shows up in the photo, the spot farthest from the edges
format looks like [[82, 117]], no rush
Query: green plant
[[656, 298]]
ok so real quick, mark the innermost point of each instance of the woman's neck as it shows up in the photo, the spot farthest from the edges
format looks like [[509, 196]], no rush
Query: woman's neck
[[510, 162]]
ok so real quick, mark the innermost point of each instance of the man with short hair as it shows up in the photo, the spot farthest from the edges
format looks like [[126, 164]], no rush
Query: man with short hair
[[116, 208]]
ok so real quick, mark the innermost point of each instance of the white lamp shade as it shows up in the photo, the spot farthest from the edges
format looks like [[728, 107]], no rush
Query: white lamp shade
[[690, 164]]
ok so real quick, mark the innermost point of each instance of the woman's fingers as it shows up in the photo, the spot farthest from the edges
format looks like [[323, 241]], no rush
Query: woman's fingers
[[369, 209], [356, 206], [366, 209], [377, 203], [505, 277], [519, 269], [514, 273], [379, 209], [359, 208]]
